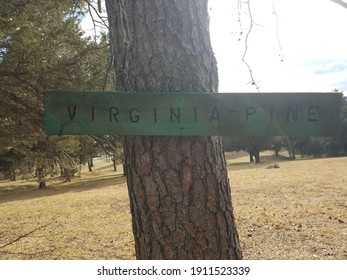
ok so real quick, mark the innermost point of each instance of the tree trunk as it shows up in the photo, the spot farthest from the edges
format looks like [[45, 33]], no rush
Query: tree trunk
[[114, 161], [12, 174], [293, 153], [90, 164], [114, 165], [41, 175], [178, 186], [257, 157], [251, 158], [42, 185], [291, 147], [91, 161]]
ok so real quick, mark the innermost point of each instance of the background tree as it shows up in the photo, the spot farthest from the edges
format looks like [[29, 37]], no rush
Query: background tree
[[10, 161], [112, 146], [87, 151], [341, 138], [178, 186], [43, 48], [276, 145], [251, 144]]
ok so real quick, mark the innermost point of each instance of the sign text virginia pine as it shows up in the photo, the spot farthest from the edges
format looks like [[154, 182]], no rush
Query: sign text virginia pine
[[183, 114]]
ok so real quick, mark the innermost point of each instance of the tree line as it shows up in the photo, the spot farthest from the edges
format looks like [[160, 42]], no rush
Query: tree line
[[305, 146], [42, 47]]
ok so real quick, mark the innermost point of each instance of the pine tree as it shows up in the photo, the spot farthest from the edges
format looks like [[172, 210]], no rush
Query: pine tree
[[178, 186]]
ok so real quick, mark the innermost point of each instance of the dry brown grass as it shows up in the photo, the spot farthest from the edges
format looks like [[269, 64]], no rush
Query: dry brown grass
[[297, 211], [87, 218]]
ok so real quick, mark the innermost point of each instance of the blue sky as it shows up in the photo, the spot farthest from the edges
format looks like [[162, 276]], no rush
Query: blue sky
[[311, 41]]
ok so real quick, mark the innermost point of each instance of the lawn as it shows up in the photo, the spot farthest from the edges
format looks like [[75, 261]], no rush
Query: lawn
[[296, 211]]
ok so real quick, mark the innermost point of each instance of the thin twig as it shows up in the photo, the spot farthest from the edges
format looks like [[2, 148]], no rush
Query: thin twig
[[100, 142], [97, 11], [108, 70], [277, 35], [239, 8], [246, 46], [27, 234]]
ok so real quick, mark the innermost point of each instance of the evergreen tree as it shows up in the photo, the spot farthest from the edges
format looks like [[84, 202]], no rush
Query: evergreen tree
[[42, 47], [178, 186]]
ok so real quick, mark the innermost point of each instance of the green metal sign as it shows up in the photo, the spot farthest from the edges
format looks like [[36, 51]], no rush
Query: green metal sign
[[183, 114]]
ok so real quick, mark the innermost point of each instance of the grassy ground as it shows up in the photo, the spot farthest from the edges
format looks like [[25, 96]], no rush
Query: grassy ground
[[296, 211]]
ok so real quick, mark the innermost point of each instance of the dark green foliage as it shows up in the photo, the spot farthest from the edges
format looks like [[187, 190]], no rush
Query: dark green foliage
[[42, 47], [68, 173], [9, 160]]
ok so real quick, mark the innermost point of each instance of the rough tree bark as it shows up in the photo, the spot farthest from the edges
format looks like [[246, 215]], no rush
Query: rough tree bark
[[178, 186]]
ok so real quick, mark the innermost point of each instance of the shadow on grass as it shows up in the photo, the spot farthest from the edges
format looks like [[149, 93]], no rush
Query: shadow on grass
[[56, 187]]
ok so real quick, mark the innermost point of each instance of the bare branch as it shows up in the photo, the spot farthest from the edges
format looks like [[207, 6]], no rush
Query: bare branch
[[99, 6], [108, 70], [340, 2], [100, 141], [278, 37], [98, 12], [27, 234], [253, 82]]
